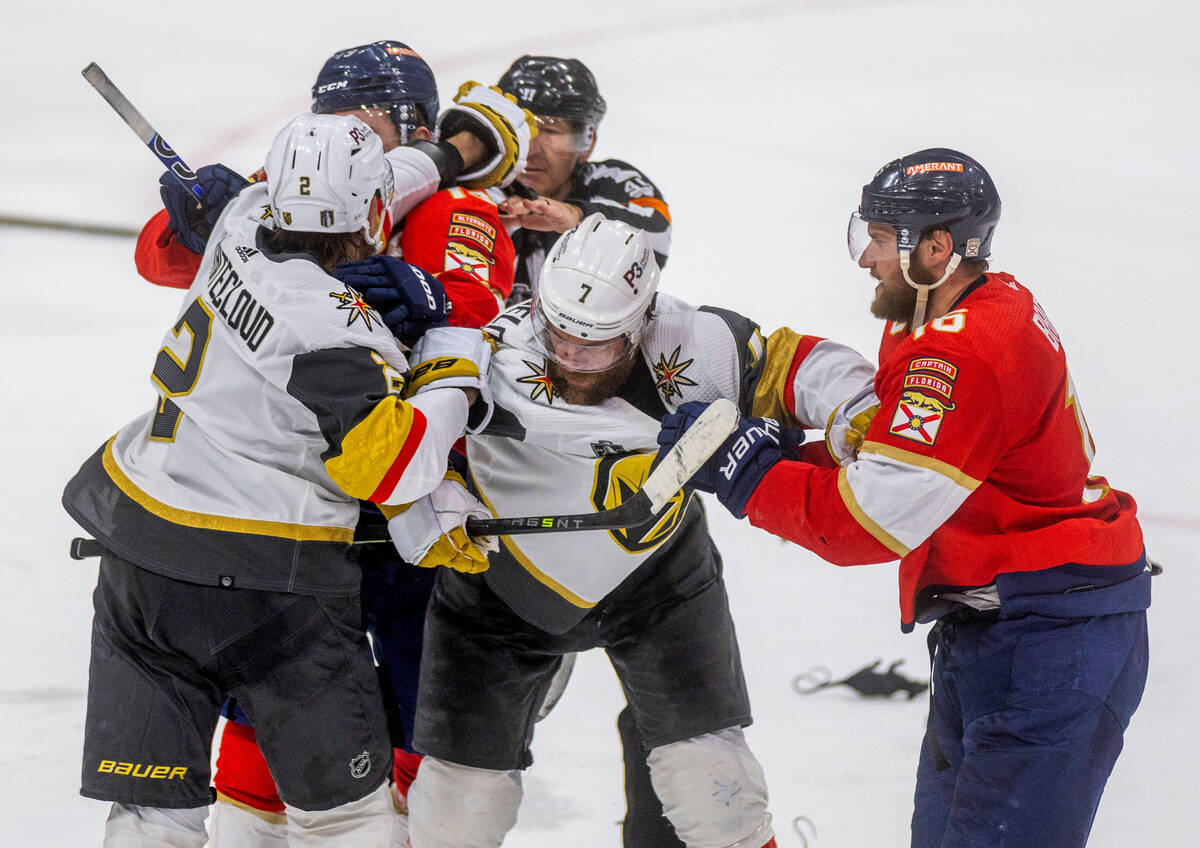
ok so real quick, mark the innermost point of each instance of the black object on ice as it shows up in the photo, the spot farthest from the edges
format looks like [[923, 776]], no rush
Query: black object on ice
[[866, 681]]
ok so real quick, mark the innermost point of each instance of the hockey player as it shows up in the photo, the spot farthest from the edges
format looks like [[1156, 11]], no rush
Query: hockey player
[[581, 377], [226, 512], [455, 234], [975, 475], [562, 93]]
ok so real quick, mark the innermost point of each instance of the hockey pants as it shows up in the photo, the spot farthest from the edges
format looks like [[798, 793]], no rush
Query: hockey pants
[[1026, 720]]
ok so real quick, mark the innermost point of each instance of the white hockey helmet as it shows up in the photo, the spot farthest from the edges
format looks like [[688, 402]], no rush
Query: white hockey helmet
[[594, 294], [327, 174]]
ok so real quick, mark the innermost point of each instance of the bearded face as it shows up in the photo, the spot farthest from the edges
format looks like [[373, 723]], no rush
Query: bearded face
[[589, 388]]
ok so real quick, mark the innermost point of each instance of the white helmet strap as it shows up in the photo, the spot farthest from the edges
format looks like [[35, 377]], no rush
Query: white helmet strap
[[923, 290]]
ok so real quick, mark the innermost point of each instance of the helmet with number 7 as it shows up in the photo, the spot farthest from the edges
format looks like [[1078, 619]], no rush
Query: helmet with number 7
[[934, 188], [328, 174], [597, 286]]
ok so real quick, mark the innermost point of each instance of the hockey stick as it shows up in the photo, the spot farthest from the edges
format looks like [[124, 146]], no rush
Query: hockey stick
[[141, 127], [677, 466], [68, 226]]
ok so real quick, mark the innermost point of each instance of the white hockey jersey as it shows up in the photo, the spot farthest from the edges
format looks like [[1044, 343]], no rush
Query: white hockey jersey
[[279, 406], [543, 456]]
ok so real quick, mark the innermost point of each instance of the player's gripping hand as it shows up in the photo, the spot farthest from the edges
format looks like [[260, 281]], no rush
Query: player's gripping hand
[[736, 468], [193, 220], [432, 531], [541, 213], [848, 425], [410, 300], [495, 119]]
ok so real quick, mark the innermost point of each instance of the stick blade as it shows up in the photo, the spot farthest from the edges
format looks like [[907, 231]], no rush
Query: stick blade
[[691, 452]]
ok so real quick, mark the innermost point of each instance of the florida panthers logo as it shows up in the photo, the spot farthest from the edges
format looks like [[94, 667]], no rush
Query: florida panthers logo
[[918, 417]]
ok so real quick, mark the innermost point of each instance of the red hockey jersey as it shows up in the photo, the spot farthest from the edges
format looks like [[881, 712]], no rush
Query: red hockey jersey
[[976, 464], [456, 235]]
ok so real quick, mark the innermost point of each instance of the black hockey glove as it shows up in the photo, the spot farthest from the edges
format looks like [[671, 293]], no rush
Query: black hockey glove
[[193, 220], [734, 471], [410, 300]]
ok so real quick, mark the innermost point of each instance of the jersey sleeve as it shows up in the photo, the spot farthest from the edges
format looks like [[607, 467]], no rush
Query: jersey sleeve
[[456, 235], [160, 257], [620, 191], [381, 448], [805, 378], [415, 176], [939, 432]]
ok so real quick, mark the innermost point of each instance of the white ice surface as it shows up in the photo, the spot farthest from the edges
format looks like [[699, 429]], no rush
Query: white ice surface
[[759, 122]]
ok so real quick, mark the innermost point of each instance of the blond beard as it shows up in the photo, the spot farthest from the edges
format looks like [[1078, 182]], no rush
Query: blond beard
[[589, 389]]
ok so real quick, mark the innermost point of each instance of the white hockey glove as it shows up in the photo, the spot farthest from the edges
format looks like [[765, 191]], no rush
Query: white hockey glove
[[432, 531], [848, 425], [496, 119], [455, 357]]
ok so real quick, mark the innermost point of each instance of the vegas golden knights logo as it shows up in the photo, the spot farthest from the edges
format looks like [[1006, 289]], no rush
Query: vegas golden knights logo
[[618, 478]]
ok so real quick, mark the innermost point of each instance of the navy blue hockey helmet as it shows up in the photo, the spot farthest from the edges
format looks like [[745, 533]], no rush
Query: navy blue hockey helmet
[[560, 88], [935, 188], [385, 74]]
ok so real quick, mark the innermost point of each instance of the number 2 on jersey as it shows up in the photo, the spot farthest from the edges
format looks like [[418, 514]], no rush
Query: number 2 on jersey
[[175, 378]]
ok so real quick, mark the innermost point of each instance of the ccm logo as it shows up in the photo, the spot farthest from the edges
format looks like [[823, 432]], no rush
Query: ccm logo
[[332, 86]]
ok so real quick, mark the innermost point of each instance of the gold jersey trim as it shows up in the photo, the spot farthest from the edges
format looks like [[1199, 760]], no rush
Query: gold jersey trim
[[537, 574], [204, 521], [936, 465], [882, 536], [770, 392], [266, 815]]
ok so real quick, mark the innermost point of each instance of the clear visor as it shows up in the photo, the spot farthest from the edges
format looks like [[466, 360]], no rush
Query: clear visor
[[564, 134], [575, 354], [859, 237]]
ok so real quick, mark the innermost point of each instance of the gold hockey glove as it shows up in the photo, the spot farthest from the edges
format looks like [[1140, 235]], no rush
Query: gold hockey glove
[[504, 127]]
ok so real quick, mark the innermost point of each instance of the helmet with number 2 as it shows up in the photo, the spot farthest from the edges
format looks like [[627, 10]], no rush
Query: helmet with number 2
[[327, 174], [595, 293]]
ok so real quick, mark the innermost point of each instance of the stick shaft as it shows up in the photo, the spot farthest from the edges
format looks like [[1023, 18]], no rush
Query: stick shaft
[[137, 122], [674, 469]]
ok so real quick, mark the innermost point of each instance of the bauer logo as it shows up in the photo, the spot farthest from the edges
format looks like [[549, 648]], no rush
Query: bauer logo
[[360, 766], [927, 167], [146, 770]]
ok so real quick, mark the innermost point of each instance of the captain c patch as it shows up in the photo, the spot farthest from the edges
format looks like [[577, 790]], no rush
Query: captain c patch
[[926, 391]]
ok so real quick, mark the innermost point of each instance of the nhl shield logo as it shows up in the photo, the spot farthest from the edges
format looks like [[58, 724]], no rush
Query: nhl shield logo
[[918, 417], [360, 766]]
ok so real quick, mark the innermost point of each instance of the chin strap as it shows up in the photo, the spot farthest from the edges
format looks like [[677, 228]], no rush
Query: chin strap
[[924, 290]]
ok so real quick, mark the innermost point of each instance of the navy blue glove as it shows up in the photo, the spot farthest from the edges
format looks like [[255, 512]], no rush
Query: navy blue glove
[[734, 471], [193, 220], [410, 300]]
